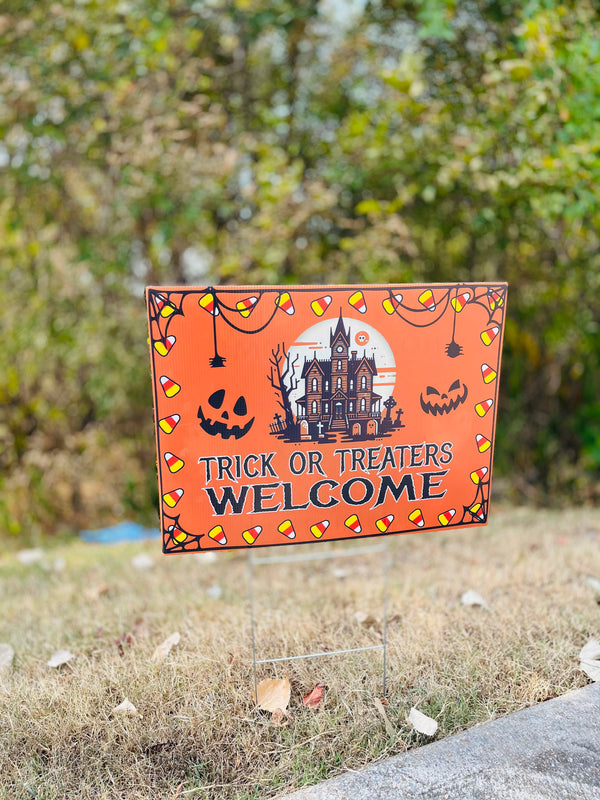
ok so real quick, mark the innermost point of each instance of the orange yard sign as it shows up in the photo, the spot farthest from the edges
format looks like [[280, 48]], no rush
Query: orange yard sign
[[297, 414]]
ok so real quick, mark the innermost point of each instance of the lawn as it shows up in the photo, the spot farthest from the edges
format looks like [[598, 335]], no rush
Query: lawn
[[197, 733]]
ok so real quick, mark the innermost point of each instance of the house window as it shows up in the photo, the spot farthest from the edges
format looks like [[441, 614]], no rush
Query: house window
[[339, 383], [326, 386], [351, 405], [363, 406], [327, 408], [315, 385], [363, 382], [351, 383], [314, 407], [339, 368]]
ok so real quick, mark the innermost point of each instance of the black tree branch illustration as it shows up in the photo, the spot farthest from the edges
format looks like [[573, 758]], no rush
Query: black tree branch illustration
[[283, 369]]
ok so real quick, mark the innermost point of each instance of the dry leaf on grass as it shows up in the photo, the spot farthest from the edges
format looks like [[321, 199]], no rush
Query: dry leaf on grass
[[388, 725], [94, 592], [7, 655], [313, 699], [163, 650], [365, 619], [59, 658], [273, 694], [280, 718], [472, 598], [422, 723], [126, 707], [589, 659]]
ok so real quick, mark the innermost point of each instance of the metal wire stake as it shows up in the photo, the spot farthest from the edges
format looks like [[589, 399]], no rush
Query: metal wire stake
[[252, 624], [386, 571]]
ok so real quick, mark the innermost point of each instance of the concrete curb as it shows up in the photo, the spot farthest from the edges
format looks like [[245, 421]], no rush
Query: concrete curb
[[549, 751]]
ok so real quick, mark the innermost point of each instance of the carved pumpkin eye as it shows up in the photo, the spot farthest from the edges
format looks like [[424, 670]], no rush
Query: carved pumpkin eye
[[431, 390], [240, 407], [216, 398], [455, 386]]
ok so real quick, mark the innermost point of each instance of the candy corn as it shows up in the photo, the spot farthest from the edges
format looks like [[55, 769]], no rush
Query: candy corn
[[481, 409], [168, 424], [488, 336], [172, 498], [487, 373], [246, 306], [477, 511], [391, 303], [218, 534], [162, 304], [284, 301], [478, 475], [495, 300], [483, 444], [319, 529], [321, 305], [384, 523], [416, 517], [162, 346], [252, 534], [458, 303], [426, 299], [177, 533], [174, 463], [169, 387], [287, 529], [207, 302], [446, 516], [353, 523], [357, 301]]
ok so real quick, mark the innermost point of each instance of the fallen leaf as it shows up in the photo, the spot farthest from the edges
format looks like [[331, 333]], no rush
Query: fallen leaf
[[94, 592], [472, 598], [280, 718], [142, 562], [388, 725], [30, 556], [163, 650], [59, 658], [364, 619], [7, 655], [422, 723], [126, 707], [589, 659], [313, 699], [273, 694]]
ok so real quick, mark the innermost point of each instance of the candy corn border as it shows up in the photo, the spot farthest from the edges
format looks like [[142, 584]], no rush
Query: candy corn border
[[165, 304]]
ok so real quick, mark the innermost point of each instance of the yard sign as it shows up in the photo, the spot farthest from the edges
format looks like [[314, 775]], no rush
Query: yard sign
[[314, 413]]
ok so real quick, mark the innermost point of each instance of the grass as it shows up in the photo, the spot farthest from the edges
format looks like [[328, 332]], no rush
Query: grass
[[199, 735]]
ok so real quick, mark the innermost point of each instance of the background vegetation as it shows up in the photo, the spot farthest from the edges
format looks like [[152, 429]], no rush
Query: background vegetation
[[261, 141]]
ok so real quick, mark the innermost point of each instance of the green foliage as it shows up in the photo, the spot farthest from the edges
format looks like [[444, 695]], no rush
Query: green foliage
[[263, 142]]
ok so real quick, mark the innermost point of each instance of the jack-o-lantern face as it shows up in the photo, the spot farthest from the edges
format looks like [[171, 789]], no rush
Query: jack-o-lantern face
[[226, 421], [448, 401]]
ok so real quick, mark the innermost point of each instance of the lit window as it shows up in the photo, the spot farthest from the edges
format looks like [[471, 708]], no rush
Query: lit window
[[314, 406], [363, 382], [339, 383], [363, 404], [315, 385]]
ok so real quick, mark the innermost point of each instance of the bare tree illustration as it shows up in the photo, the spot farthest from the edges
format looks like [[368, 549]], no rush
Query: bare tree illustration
[[283, 379]]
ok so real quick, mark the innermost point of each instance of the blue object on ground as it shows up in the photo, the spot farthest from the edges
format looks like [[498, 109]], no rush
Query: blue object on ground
[[122, 532]]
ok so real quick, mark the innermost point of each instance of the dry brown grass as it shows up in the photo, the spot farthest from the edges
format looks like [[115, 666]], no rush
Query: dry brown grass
[[199, 736]]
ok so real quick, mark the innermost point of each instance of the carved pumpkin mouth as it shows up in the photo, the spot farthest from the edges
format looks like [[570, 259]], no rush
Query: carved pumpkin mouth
[[218, 424], [447, 403]]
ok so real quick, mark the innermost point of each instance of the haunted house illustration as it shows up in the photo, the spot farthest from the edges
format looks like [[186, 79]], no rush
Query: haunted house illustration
[[339, 396]]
